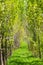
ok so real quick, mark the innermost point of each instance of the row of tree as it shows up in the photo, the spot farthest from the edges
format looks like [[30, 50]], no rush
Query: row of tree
[[18, 16]]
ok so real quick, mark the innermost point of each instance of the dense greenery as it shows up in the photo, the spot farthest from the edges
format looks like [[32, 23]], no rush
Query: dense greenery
[[21, 32]]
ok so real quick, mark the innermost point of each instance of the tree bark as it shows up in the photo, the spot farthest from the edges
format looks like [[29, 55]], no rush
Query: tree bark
[[1, 58], [39, 51]]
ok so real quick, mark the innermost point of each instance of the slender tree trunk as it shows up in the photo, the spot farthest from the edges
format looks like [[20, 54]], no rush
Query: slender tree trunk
[[1, 58], [10, 50], [6, 49], [2, 48], [39, 51]]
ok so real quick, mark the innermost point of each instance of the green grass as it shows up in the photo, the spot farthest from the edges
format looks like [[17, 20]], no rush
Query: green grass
[[22, 56]]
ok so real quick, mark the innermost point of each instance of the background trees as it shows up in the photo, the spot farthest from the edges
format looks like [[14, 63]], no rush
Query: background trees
[[21, 20]]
